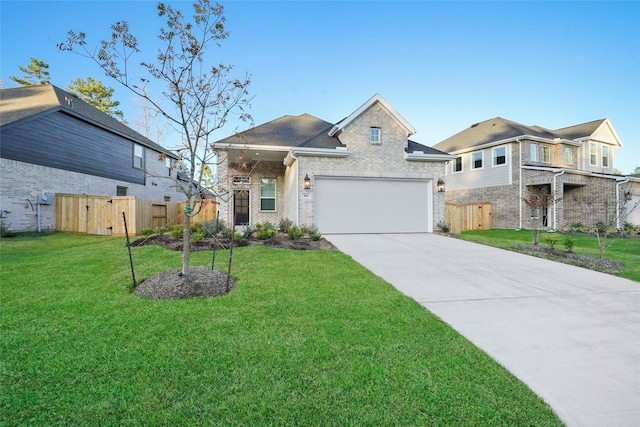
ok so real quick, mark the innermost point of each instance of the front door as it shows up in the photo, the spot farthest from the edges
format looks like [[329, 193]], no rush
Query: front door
[[241, 207]]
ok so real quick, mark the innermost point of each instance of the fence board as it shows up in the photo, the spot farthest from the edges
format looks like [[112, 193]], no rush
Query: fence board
[[471, 216], [103, 215]]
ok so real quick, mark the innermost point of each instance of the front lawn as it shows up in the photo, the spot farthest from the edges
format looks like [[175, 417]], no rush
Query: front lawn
[[304, 338], [625, 250]]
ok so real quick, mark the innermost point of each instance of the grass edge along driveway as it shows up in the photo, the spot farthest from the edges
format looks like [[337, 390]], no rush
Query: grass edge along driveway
[[305, 338]]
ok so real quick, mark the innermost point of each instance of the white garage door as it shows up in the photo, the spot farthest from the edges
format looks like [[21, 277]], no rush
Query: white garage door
[[372, 205]]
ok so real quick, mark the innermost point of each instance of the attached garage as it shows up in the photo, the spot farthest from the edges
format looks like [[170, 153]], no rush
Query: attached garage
[[373, 205]]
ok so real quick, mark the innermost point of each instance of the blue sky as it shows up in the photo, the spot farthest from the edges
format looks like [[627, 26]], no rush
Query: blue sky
[[442, 65]]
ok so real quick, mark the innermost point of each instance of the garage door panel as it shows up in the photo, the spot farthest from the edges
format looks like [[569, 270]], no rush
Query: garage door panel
[[371, 205]]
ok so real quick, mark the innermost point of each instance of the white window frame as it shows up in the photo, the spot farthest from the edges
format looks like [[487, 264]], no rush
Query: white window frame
[[533, 153], [473, 160], [593, 154], [546, 154], [275, 195], [168, 165], [375, 135], [495, 157], [453, 165], [605, 156], [138, 149], [568, 155]]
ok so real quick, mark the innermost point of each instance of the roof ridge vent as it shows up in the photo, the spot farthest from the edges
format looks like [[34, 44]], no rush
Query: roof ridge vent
[[474, 125], [69, 101]]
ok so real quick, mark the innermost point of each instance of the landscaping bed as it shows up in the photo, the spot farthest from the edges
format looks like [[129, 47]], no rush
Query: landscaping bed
[[280, 241]]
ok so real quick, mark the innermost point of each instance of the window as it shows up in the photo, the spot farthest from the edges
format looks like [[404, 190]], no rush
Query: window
[[476, 160], [456, 166], [593, 154], [546, 154], [605, 156], [121, 191], [499, 156], [534, 152], [167, 164], [374, 135], [568, 155], [137, 156], [167, 198], [268, 194]]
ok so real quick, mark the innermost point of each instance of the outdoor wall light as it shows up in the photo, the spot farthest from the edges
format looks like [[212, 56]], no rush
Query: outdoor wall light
[[307, 182], [440, 185], [627, 196]]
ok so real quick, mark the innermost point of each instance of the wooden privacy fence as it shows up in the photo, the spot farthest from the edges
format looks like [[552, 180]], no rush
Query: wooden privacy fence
[[471, 216], [103, 215]]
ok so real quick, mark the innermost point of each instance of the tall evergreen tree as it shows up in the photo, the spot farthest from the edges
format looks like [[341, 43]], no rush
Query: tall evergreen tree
[[97, 94], [36, 73]]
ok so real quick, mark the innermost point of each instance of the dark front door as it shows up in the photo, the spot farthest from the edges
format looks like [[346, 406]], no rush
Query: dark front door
[[241, 207]]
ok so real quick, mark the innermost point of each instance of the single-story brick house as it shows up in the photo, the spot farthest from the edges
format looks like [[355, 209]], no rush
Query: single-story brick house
[[501, 161], [359, 175]]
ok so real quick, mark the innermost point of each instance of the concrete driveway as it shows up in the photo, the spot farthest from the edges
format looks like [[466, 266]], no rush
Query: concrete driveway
[[571, 334]]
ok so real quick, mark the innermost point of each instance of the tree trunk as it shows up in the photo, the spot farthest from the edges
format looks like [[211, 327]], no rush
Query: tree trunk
[[186, 245]]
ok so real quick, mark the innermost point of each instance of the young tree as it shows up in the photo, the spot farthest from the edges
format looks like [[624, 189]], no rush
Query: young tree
[[36, 73], [201, 98], [97, 94], [539, 199]]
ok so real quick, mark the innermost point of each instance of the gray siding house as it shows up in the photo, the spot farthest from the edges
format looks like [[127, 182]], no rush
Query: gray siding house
[[501, 161], [359, 175], [52, 142]]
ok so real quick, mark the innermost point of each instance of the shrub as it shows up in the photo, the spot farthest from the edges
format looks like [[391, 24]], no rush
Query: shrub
[[247, 232], [4, 229], [160, 230], [314, 234], [237, 237], [212, 228], [197, 236], [304, 229], [146, 231], [551, 241], [176, 231], [578, 227], [568, 244], [195, 227], [443, 227], [284, 225], [296, 233], [265, 230]]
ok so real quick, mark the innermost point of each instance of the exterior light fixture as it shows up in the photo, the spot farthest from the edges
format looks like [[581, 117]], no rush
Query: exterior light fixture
[[627, 196], [440, 185], [307, 182]]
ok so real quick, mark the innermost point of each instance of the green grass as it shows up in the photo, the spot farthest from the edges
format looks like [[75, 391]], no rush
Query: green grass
[[625, 250], [305, 338]]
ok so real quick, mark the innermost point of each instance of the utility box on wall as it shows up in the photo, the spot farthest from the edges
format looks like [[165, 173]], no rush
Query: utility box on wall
[[44, 199]]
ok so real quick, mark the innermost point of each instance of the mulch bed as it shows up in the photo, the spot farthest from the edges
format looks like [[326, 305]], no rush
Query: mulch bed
[[204, 282], [604, 265]]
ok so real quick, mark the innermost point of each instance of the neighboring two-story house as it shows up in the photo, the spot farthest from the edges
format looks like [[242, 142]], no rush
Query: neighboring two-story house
[[52, 142], [503, 162], [360, 175]]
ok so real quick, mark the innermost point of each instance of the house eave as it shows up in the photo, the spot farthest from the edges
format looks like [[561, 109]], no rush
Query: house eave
[[517, 139], [574, 172], [419, 156], [314, 152]]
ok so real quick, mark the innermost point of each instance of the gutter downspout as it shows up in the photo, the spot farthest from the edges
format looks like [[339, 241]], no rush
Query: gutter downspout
[[291, 153], [555, 200], [618, 202], [520, 186]]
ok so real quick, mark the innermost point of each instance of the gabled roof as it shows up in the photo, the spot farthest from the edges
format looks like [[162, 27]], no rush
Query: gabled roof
[[413, 146], [503, 130], [377, 98], [304, 130], [23, 103]]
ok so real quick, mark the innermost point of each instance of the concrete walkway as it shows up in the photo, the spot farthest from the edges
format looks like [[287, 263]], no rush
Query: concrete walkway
[[571, 334]]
